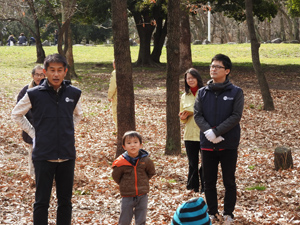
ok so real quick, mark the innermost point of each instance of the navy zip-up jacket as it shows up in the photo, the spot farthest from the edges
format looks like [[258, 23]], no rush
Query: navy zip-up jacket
[[53, 121], [219, 107]]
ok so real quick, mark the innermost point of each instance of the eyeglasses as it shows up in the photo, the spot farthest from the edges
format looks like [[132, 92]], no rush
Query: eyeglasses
[[39, 75], [216, 67]]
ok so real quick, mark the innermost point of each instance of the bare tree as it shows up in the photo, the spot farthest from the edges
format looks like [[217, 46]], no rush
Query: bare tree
[[67, 9], [16, 10], [173, 142], [125, 107]]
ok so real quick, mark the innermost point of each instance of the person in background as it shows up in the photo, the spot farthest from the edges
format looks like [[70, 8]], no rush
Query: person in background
[[132, 171], [112, 95], [56, 110], [31, 41], [22, 39], [218, 110], [11, 40], [191, 212], [193, 83], [55, 37], [37, 74]]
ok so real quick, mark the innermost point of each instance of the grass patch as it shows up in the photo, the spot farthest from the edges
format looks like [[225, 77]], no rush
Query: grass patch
[[251, 167], [256, 187], [84, 192], [172, 181], [17, 62]]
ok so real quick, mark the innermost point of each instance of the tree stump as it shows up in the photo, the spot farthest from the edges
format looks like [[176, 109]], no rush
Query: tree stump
[[283, 158]]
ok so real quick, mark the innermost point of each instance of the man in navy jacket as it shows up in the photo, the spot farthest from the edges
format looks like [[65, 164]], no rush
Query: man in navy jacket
[[217, 111], [56, 110]]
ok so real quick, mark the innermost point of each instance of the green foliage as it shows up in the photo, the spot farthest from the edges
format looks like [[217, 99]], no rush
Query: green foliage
[[294, 7], [93, 11], [262, 9]]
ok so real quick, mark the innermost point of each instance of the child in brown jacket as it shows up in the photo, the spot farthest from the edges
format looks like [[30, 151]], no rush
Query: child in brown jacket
[[132, 171]]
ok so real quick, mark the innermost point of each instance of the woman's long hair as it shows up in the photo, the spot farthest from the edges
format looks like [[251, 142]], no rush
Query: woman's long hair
[[196, 75]]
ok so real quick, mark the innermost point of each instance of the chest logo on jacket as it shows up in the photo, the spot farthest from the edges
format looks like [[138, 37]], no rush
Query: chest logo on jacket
[[225, 98], [69, 99]]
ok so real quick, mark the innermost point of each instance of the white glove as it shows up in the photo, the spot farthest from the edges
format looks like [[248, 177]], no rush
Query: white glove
[[210, 135], [218, 139]]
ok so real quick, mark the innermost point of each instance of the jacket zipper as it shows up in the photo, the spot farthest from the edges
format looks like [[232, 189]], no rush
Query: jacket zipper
[[216, 103], [57, 106], [135, 177]]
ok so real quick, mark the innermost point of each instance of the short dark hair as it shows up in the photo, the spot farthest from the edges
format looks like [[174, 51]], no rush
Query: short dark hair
[[37, 67], [55, 58], [131, 134], [196, 75], [225, 60]]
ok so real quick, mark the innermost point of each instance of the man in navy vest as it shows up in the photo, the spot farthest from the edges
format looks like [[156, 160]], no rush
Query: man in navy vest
[[56, 110], [217, 111]]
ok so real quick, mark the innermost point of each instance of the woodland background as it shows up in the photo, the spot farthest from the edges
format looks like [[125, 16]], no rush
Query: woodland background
[[265, 196]]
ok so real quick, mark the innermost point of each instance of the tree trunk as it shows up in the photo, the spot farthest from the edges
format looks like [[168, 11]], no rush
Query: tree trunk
[[213, 32], [145, 30], [282, 29], [173, 140], [269, 31], [224, 28], [159, 39], [296, 29], [69, 55], [40, 53], [289, 21], [125, 106], [264, 87], [185, 42], [199, 33]]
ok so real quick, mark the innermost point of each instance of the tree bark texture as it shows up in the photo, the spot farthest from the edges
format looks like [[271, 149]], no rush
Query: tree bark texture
[[40, 53], [185, 42], [296, 28], [125, 107], [173, 140], [283, 158], [145, 30], [159, 39], [69, 55], [264, 87]]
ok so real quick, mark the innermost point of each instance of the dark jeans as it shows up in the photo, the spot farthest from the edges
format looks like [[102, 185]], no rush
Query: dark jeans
[[63, 173], [192, 151], [210, 162]]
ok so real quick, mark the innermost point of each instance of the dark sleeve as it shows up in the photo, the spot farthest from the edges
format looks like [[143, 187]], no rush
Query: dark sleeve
[[234, 118], [150, 169], [117, 174], [22, 93], [198, 115]]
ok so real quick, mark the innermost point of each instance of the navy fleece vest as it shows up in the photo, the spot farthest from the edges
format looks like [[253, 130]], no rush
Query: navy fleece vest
[[217, 108], [53, 121]]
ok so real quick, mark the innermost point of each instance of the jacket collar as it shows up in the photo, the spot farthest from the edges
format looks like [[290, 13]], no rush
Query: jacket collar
[[44, 85], [219, 86]]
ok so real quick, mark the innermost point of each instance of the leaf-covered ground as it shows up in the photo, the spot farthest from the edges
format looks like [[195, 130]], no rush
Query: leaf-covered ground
[[96, 198]]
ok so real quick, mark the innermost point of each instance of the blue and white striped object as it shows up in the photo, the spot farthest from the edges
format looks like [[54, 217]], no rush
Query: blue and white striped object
[[192, 212]]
